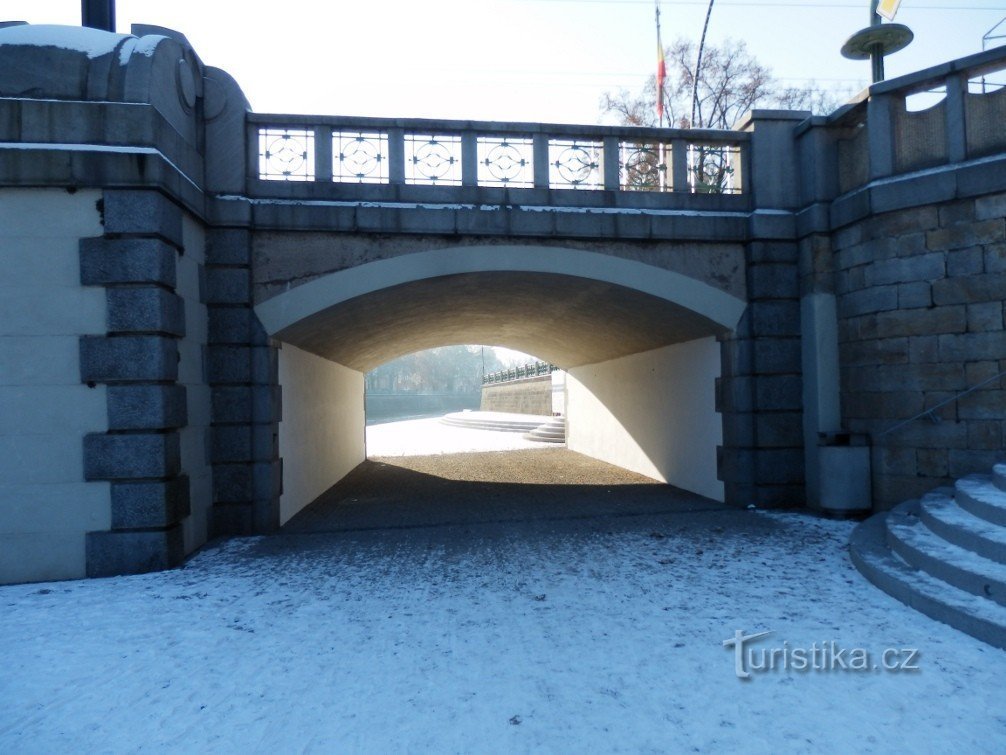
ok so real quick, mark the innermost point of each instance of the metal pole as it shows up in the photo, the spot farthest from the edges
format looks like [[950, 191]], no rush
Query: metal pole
[[698, 67], [660, 84], [98, 14], [876, 51]]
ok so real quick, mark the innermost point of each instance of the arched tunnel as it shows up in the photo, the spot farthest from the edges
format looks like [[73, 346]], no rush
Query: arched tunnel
[[638, 342]]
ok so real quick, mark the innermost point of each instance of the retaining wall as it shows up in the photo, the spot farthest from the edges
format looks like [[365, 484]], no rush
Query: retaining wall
[[527, 396], [920, 319]]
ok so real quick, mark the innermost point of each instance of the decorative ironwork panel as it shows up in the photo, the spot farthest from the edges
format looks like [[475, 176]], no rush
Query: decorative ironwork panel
[[433, 159], [714, 169], [506, 162], [536, 369], [360, 157], [575, 164], [644, 166], [285, 154]]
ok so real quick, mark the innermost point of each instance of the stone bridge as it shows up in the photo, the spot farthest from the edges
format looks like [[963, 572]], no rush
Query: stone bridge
[[192, 292]]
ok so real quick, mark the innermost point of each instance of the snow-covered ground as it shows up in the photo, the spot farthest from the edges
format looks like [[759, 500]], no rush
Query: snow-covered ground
[[599, 634], [605, 636], [418, 437]]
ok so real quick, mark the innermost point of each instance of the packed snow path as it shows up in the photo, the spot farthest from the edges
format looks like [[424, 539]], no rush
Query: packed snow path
[[600, 634]]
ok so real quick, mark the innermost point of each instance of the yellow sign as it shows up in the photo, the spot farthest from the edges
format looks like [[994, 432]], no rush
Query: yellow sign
[[888, 8]]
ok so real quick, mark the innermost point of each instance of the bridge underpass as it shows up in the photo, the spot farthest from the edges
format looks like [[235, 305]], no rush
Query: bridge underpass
[[638, 342], [217, 279]]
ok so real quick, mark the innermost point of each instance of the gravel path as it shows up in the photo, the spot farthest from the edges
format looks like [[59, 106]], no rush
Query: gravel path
[[467, 488], [547, 466]]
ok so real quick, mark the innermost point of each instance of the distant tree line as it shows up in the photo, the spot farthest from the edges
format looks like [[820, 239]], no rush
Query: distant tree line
[[448, 369]]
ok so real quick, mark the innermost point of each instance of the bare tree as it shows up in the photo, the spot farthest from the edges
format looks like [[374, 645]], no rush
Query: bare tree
[[731, 82]]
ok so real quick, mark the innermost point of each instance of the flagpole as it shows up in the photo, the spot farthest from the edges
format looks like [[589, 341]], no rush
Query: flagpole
[[698, 67], [660, 83], [661, 72]]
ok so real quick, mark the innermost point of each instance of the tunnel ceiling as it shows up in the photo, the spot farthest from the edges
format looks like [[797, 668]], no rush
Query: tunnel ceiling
[[567, 320]]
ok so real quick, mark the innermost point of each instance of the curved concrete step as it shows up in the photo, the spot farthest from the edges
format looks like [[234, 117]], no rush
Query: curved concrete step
[[979, 617], [999, 476], [978, 495], [499, 421], [940, 513], [498, 426], [923, 549], [553, 431]]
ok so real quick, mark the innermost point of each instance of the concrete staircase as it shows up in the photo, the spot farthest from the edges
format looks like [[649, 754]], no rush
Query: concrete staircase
[[535, 427], [500, 421], [944, 554], [553, 431]]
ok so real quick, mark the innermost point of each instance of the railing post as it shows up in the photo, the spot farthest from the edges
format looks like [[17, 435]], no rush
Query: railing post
[[744, 160], [880, 134], [469, 158], [323, 153], [541, 167], [957, 135], [396, 156], [612, 164], [679, 165], [252, 139]]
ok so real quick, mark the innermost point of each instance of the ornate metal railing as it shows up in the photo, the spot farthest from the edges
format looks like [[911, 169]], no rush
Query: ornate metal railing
[[520, 372], [332, 150]]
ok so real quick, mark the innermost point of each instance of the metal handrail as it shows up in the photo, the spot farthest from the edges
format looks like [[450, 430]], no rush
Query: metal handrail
[[520, 372], [929, 413], [698, 136]]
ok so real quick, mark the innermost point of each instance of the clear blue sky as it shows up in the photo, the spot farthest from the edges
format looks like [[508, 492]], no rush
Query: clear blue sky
[[534, 60]]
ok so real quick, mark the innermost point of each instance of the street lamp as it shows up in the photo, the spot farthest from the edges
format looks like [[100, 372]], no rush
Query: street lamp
[[877, 40], [98, 14]]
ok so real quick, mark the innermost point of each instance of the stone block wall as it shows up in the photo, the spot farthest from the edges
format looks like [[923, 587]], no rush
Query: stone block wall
[[920, 304], [528, 396], [761, 461], [242, 371], [138, 359]]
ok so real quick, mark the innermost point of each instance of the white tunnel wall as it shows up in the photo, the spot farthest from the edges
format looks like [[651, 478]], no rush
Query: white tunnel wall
[[653, 413], [322, 433]]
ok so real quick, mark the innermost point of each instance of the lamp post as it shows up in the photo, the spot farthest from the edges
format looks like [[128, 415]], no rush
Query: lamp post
[[877, 40], [98, 14]]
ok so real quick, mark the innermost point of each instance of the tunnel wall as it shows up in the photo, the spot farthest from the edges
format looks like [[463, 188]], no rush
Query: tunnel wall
[[45, 410], [612, 406], [322, 431]]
